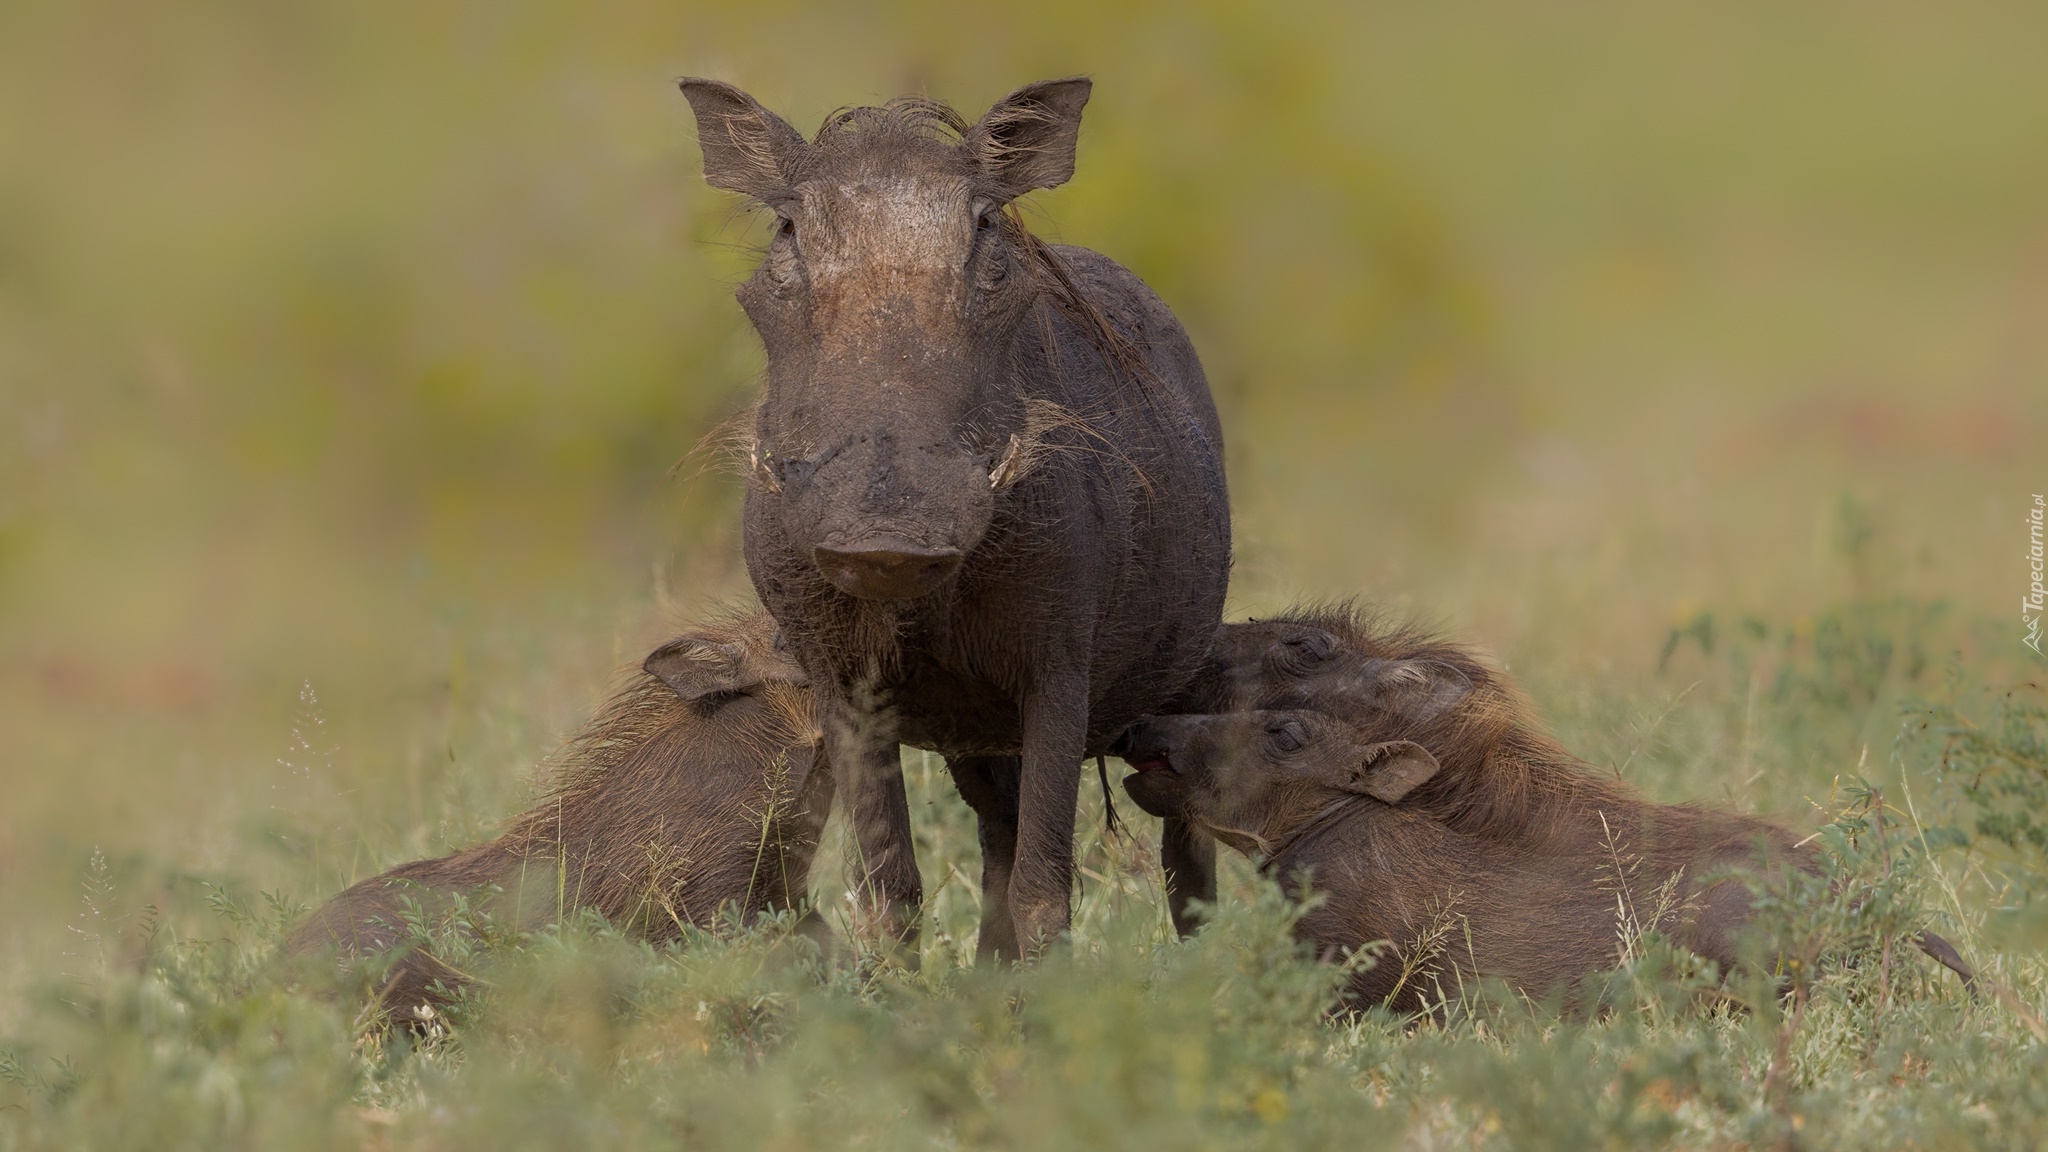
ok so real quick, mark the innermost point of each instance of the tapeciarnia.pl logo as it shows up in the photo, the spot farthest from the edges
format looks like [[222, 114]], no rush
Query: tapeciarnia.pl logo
[[2037, 597]]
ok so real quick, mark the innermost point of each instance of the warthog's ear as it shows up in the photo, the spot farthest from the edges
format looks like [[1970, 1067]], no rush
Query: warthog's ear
[[1391, 770], [1418, 691], [747, 148], [1027, 140], [699, 669]]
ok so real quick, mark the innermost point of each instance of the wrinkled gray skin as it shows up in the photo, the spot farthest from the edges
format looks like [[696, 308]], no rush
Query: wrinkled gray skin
[[987, 501]]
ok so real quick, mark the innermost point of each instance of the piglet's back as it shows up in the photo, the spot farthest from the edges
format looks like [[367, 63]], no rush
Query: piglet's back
[[696, 788], [1451, 909]]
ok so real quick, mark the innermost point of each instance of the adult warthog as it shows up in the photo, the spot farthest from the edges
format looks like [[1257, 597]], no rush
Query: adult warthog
[[986, 500]]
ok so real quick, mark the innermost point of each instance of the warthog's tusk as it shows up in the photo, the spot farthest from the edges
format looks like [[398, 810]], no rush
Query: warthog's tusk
[[759, 460], [1006, 468]]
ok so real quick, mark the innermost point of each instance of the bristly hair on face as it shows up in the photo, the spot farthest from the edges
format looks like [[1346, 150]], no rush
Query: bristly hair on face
[[923, 120], [915, 117]]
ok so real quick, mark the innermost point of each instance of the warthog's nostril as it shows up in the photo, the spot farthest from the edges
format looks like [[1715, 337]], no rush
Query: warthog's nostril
[[885, 568]]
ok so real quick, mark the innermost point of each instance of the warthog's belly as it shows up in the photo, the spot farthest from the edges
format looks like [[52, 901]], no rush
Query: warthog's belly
[[955, 714]]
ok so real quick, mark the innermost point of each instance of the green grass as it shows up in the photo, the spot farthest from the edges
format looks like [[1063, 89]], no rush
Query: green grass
[[175, 1024]]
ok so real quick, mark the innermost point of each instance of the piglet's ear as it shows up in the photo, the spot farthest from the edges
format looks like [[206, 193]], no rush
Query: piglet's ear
[[700, 669], [1418, 691], [1027, 139], [747, 148], [1391, 770]]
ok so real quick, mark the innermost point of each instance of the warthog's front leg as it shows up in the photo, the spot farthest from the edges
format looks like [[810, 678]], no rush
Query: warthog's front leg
[[989, 785], [890, 890], [1041, 885]]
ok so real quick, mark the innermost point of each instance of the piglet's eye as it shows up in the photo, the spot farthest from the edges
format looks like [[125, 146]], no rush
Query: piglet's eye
[[1298, 654], [1285, 737]]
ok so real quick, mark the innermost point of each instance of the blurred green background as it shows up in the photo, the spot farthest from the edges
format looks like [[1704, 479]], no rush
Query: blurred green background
[[365, 347]]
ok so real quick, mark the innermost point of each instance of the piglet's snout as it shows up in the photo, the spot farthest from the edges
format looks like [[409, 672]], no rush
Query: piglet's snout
[[1146, 746]]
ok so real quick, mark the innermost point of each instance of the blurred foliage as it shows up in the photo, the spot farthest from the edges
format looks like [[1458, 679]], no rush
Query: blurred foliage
[[447, 279], [1989, 751]]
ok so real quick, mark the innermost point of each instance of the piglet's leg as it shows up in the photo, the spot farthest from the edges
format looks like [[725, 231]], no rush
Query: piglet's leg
[[1188, 857], [989, 785], [891, 891], [1055, 733]]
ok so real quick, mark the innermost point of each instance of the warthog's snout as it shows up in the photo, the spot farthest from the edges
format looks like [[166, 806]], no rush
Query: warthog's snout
[[885, 567]]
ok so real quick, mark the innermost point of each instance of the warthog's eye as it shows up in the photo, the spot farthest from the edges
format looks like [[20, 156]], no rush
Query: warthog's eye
[[1299, 654], [1287, 737], [782, 267], [986, 256]]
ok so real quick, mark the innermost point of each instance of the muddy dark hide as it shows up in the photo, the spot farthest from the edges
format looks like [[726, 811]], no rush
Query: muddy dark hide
[[697, 789], [986, 499], [1480, 800]]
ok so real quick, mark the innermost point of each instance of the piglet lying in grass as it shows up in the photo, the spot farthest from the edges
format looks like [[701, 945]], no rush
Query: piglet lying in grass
[[698, 788], [1413, 788]]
